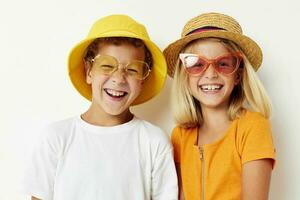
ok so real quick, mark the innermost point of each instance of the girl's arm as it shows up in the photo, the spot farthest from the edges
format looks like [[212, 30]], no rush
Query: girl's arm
[[33, 198], [256, 178]]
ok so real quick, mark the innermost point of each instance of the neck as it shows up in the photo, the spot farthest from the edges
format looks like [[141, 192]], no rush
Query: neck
[[215, 118], [215, 124], [99, 117]]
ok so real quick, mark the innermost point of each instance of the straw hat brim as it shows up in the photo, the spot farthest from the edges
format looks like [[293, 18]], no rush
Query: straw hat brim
[[152, 85], [249, 47]]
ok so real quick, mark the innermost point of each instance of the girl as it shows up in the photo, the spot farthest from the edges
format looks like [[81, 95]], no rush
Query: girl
[[223, 145]]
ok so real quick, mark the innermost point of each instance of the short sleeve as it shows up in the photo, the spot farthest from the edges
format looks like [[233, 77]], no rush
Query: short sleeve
[[257, 142], [164, 178], [40, 171], [176, 141]]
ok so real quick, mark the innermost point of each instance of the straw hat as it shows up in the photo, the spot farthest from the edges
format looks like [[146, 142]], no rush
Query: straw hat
[[118, 26], [213, 25]]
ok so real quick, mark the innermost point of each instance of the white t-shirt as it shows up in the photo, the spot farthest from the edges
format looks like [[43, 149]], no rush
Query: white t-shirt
[[79, 161]]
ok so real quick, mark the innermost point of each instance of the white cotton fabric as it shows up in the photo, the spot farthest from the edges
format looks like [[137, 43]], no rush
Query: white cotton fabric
[[78, 161]]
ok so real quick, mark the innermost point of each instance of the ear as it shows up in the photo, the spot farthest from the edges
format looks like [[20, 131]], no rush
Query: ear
[[238, 76], [88, 73]]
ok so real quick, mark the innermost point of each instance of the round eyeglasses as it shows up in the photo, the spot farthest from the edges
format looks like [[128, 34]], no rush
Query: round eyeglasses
[[107, 65]]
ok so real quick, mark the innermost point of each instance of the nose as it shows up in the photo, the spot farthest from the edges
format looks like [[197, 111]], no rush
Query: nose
[[210, 72], [119, 76]]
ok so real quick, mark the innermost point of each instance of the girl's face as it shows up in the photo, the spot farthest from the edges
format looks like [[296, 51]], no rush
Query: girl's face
[[211, 88]]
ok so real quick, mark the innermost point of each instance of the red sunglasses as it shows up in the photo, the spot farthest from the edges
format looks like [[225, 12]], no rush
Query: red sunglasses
[[195, 64]]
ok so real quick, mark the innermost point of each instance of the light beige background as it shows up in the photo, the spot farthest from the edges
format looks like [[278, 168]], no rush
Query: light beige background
[[37, 35]]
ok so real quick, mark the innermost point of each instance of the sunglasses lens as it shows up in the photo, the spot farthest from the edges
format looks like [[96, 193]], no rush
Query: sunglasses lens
[[227, 65], [194, 64], [108, 65], [138, 69], [105, 64]]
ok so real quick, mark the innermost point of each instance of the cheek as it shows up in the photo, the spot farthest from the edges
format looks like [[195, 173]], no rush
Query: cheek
[[98, 80], [231, 83], [193, 83], [136, 86]]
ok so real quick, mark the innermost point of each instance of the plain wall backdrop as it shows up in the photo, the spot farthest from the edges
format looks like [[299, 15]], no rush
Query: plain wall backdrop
[[36, 37]]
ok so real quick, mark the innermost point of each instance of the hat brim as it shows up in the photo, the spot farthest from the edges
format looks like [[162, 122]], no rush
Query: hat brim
[[249, 47], [152, 84]]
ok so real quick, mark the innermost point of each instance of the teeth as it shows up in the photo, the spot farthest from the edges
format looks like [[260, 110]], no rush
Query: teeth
[[115, 93], [210, 87]]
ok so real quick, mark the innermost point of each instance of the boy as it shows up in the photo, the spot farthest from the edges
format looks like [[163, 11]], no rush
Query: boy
[[107, 153]]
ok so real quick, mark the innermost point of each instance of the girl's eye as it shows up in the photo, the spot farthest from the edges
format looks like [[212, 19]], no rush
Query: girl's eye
[[199, 64], [191, 61], [225, 63]]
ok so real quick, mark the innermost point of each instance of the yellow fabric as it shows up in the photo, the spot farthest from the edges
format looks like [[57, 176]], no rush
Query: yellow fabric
[[248, 138]]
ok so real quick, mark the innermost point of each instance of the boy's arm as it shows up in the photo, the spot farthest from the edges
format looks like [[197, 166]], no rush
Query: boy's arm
[[38, 180], [164, 178], [256, 177]]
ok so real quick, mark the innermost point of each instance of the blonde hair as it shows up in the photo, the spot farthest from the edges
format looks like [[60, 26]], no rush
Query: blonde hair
[[249, 92]]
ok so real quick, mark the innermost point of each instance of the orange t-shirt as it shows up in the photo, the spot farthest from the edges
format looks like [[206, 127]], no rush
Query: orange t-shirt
[[216, 168]]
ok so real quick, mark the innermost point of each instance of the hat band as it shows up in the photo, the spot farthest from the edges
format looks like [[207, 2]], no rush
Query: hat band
[[203, 29]]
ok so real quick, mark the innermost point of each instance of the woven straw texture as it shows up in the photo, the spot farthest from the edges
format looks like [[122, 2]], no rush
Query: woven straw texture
[[229, 29]]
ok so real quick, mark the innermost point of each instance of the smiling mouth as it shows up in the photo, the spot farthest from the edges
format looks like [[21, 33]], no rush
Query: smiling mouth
[[211, 87], [115, 93]]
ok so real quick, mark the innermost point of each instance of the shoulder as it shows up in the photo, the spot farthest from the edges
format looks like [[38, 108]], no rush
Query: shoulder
[[179, 132], [251, 119], [58, 131], [253, 125], [52, 138], [153, 132], [254, 137], [61, 124], [158, 141]]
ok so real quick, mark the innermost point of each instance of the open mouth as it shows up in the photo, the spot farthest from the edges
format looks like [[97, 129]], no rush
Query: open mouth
[[211, 87], [115, 93]]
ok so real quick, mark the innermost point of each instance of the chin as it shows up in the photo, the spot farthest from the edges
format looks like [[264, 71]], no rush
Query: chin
[[214, 104]]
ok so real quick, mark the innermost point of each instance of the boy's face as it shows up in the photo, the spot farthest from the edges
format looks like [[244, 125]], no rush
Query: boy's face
[[114, 93]]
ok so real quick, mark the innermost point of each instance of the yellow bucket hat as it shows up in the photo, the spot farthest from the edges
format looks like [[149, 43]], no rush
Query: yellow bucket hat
[[213, 25], [118, 26]]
